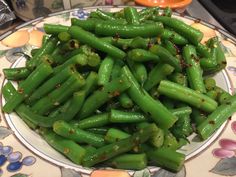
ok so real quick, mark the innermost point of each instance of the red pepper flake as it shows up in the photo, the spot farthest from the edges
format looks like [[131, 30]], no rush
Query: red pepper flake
[[230, 118], [212, 122], [58, 85], [103, 157], [71, 131], [66, 150], [20, 90], [115, 93]]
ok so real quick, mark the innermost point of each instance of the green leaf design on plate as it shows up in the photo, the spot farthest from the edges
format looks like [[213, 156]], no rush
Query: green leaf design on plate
[[225, 167], [2, 52], [142, 173], [65, 172], [20, 175], [165, 173], [4, 132]]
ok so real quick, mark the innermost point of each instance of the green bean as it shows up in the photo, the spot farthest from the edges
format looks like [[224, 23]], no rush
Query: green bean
[[28, 86], [223, 97], [99, 97], [194, 72], [108, 151], [90, 83], [131, 15], [203, 50], [212, 94], [129, 161], [178, 78], [129, 31], [66, 130], [139, 71], [89, 38], [170, 140], [157, 137], [80, 59], [105, 70], [182, 111], [187, 95], [98, 130], [16, 73], [27, 114], [45, 49], [141, 55], [198, 116], [98, 120], [191, 34], [34, 51], [173, 37], [51, 84], [158, 73], [88, 25], [117, 116], [166, 158], [67, 147], [59, 95], [125, 101], [54, 29], [61, 109], [217, 118], [45, 39], [168, 103], [210, 83], [182, 127], [161, 115], [166, 57], [114, 135], [167, 12], [64, 36], [8, 91], [171, 47]]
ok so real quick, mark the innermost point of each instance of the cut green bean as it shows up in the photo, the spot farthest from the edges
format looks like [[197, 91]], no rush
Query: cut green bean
[[125, 101], [166, 57], [99, 97], [166, 158], [16, 73], [67, 147], [217, 118], [158, 73], [187, 95], [129, 161], [108, 151], [129, 31], [160, 114], [94, 121], [105, 70], [194, 71], [114, 135], [118, 116], [66, 130], [191, 34], [28, 86], [90, 39]]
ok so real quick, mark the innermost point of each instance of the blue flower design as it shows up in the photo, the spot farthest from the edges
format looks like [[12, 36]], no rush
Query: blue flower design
[[80, 14]]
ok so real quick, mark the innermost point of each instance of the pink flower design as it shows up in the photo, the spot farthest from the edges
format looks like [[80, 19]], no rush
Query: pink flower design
[[109, 2], [227, 146]]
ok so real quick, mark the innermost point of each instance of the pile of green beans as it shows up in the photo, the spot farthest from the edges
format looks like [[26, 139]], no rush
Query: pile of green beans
[[122, 89]]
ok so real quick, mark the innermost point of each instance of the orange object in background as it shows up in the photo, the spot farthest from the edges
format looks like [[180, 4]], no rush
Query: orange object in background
[[178, 5], [109, 173]]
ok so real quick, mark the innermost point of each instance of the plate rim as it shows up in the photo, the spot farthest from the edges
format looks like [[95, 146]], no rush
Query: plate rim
[[86, 170]]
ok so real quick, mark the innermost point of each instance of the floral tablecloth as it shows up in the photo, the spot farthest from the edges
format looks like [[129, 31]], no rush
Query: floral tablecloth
[[18, 161]]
